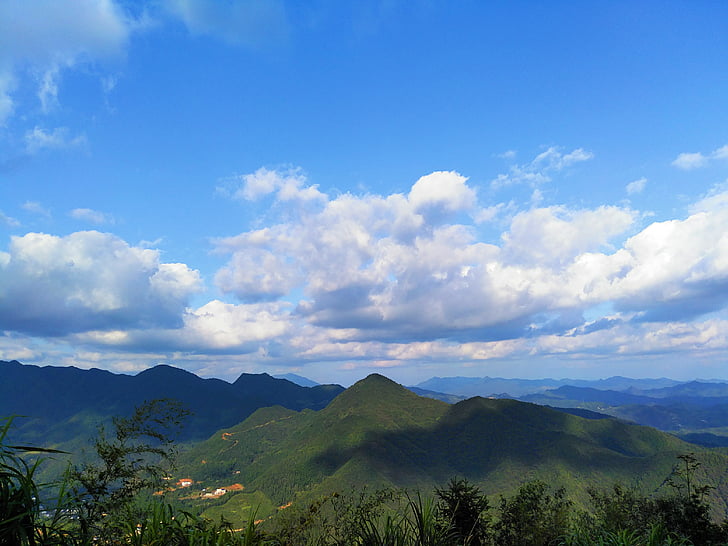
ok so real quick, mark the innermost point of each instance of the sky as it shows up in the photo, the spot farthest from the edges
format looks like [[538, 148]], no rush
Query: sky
[[330, 188]]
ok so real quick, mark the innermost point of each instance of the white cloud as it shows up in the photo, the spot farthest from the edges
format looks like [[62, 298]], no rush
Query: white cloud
[[8, 220], [695, 160], [540, 169], [636, 186], [36, 208], [218, 325], [246, 22], [689, 161], [553, 160], [257, 274], [214, 327], [676, 268], [288, 185], [555, 235], [375, 269], [626, 339], [12, 348], [378, 279], [57, 139], [720, 153], [91, 216], [443, 191], [89, 280], [47, 32], [713, 200], [46, 37]]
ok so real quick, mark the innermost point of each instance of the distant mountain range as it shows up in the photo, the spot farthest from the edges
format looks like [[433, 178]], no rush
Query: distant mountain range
[[515, 388], [695, 410]]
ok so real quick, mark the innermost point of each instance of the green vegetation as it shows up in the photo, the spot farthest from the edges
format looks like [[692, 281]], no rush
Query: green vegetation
[[535, 515], [106, 500], [20, 521], [358, 473], [132, 461], [379, 434]]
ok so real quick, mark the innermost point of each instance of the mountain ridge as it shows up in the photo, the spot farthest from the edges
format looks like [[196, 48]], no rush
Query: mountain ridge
[[53, 395], [377, 433]]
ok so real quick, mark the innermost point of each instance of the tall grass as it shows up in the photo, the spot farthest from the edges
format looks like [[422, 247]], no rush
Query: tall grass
[[22, 518]]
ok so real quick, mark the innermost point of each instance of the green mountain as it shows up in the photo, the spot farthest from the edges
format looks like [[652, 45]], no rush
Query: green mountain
[[378, 433]]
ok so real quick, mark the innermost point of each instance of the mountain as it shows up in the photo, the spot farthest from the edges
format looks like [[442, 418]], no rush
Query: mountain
[[487, 386], [691, 389], [297, 379], [568, 393], [619, 383], [696, 411], [60, 404], [515, 388], [449, 398], [379, 433]]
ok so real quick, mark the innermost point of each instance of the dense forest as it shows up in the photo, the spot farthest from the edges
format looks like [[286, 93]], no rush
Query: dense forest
[[107, 499]]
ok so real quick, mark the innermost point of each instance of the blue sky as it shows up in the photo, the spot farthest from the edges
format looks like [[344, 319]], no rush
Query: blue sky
[[420, 188]]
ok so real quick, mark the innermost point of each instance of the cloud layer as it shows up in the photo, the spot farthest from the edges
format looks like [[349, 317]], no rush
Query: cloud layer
[[387, 279]]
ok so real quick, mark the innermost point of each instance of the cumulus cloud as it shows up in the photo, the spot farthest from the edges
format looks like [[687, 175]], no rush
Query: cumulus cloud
[[288, 185], [384, 279], [556, 235], [675, 269], [441, 191], [695, 160], [381, 270], [88, 280], [215, 327], [541, 168]]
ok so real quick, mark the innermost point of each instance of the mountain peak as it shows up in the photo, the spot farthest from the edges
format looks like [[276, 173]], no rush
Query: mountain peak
[[374, 387], [163, 369], [380, 396], [377, 382]]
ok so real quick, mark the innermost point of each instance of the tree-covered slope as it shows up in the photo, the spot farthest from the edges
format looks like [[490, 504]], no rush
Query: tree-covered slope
[[379, 433]]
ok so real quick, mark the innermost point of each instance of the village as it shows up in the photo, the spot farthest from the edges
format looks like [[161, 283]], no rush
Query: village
[[204, 493]]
